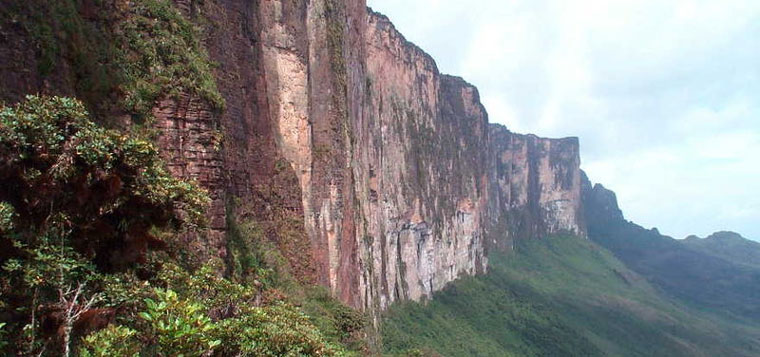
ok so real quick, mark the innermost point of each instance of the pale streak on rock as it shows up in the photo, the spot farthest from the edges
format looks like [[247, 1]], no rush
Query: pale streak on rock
[[422, 183], [401, 184]]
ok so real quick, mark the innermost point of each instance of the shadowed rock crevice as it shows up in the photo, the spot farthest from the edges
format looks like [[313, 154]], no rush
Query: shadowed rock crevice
[[378, 176]]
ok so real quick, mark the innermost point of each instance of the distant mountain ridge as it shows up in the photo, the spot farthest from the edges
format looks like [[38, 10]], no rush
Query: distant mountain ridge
[[728, 245], [720, 273]]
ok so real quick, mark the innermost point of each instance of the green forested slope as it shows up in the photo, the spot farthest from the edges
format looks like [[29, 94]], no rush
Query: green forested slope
[[560, 296], [718, 274]]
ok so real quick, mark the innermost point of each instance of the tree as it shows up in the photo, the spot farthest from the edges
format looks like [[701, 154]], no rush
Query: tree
[[77, 201]]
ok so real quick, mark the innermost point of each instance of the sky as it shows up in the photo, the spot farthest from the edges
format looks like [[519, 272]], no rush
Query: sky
[[664, 95]]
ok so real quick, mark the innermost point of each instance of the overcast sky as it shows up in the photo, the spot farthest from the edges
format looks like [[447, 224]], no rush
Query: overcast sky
[[664, 95]]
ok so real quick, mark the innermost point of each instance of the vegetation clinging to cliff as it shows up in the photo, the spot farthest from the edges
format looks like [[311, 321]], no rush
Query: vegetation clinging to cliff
[[163, 56], [78, 201], [131, 53], [89, 216], [63, 172]]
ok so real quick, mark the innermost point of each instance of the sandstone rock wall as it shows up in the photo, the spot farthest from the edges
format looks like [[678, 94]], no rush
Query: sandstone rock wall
[[422, 177], [376, 175], [536, 187]]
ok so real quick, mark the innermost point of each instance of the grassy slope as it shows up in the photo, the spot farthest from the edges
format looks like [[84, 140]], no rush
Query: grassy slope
[[560, 296]]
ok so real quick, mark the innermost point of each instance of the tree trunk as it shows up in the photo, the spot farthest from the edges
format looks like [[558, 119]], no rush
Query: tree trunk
[[67, 337]]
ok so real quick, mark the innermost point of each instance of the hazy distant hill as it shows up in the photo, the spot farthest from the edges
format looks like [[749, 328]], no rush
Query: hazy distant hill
[[728, 245], [720, 273]]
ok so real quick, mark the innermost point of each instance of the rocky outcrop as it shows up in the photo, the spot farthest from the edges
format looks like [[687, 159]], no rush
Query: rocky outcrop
[[189, 138], [599, 202], [376, 175], [422, 169], [535, 187]]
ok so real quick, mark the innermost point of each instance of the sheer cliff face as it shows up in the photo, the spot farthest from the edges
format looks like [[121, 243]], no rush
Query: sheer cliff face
[[535, 187], [423, 194], [385, 153], [374, 174]]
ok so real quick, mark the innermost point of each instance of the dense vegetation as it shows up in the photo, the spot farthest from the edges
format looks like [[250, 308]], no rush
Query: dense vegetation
[[559, 296], [124, 55], [92, 266], [95, 263]]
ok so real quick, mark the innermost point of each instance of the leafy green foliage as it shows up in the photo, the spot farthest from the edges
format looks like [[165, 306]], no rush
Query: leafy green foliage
[[248, 251], [76, 197], [277, 330], [170, 59], [85, 208], [338, 321], [78, 201], [202, 313], [111, 341], [50, 263], [3, 341], [180, 326], [253, 257], [62, 170], [559, 296], [7, 214]]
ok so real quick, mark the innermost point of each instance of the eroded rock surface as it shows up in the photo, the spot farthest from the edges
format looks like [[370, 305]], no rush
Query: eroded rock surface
[[535, 187], [376, 175], [422, 180]]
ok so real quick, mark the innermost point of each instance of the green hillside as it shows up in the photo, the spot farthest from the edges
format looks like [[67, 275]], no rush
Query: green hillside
[[560, 296], [727, 245]]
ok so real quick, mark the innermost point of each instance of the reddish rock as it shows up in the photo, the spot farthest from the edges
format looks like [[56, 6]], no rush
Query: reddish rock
[[375, 174], [535, 187]]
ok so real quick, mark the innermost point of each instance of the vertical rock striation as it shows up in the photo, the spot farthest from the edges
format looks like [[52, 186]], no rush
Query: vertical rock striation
[[375, 174], [422, 175], [535, 187]]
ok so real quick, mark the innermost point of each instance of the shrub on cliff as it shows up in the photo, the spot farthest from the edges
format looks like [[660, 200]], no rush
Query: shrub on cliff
[[202, 314], [84, 212], [104, 189], [77, 201], [123, 55]]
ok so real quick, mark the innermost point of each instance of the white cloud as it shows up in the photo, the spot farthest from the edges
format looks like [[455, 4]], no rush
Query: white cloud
[[663, 94]]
